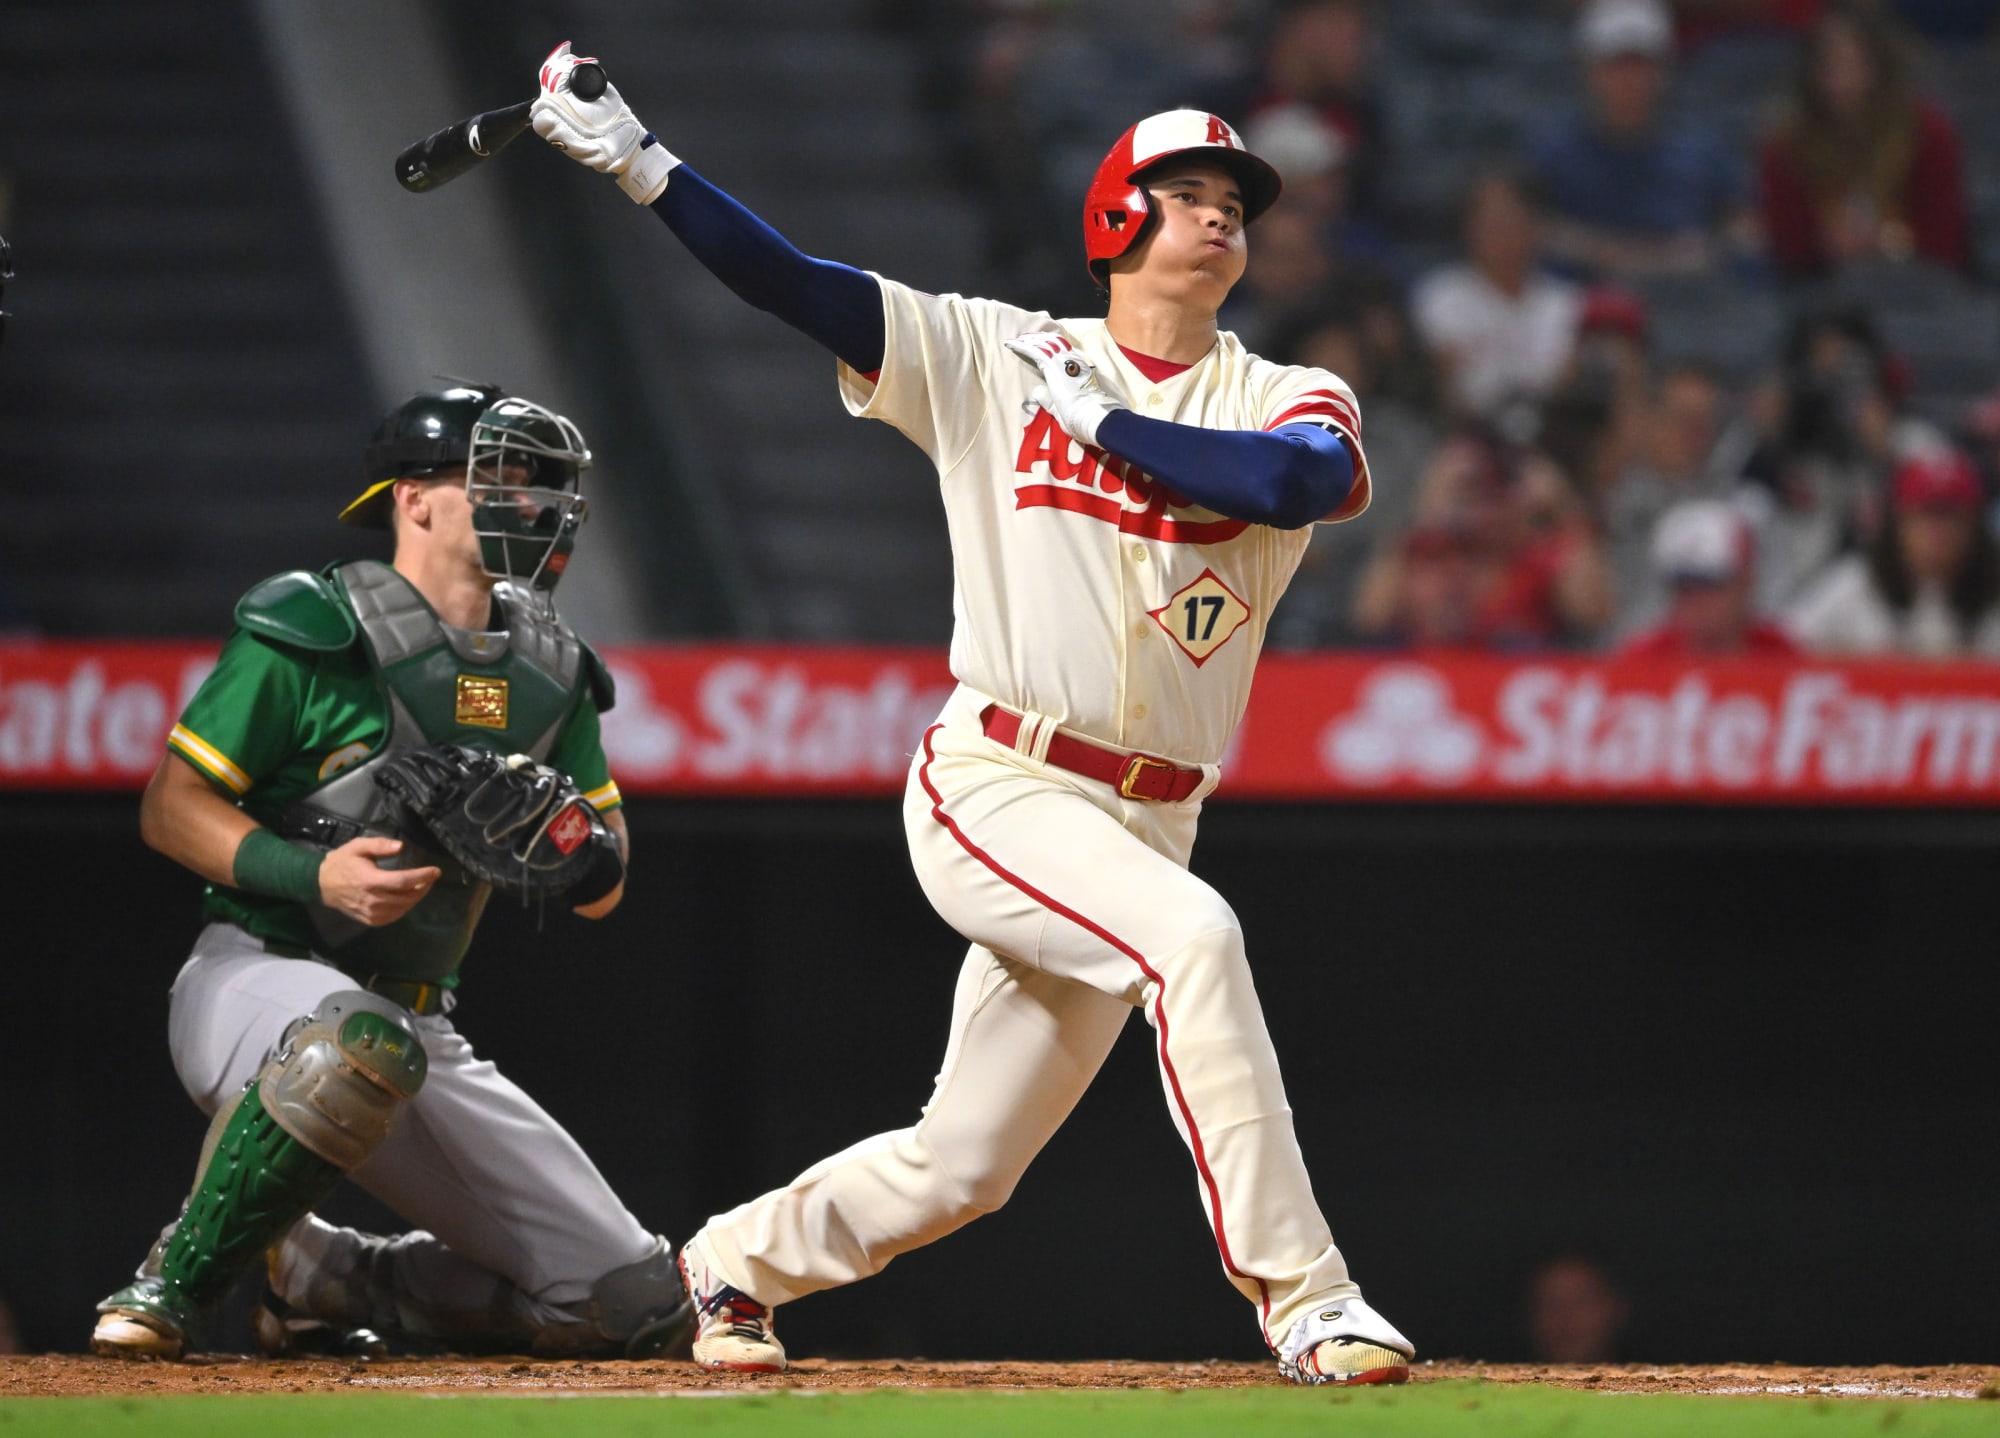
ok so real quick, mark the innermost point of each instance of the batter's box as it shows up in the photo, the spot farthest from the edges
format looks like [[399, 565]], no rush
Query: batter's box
[[1202, 617]]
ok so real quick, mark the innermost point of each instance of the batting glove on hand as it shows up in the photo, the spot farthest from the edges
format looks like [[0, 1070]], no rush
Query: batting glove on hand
[[602, 133], [1071, 388]]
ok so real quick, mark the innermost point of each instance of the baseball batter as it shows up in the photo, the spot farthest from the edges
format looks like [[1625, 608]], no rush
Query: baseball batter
[[1127, 499], [312, 1019]]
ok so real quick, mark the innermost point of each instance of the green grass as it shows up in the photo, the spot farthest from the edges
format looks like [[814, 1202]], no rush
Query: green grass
[[1458, 1409]]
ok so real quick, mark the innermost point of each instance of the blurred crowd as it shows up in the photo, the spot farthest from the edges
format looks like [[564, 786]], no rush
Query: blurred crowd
[[1675, 326]]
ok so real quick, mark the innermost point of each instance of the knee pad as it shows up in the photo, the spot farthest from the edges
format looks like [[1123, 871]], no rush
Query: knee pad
[[340, 1078], [638, 1311]]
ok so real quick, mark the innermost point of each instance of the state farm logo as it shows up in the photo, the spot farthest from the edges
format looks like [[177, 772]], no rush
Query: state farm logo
[[1404, 725]]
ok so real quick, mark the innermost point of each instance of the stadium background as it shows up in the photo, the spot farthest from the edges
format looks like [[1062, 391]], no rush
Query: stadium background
[[1736, 1055]]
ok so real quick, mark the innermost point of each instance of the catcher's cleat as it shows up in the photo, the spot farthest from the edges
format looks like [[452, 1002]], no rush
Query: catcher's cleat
[[1345, 1342], [732, 1329], [148, 1318], [284, 1332]]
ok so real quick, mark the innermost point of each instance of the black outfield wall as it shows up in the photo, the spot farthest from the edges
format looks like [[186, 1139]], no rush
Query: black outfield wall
[[1744, 1060]]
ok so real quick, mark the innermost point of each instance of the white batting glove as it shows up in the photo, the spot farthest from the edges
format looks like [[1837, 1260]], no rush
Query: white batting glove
[[602, 133], [1071, 389]]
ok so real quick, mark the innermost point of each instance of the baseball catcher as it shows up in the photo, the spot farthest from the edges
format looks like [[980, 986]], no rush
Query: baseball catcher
[[1128, 496], [381, 748]]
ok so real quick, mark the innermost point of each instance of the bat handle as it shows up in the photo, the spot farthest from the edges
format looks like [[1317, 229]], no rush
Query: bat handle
[[587, 81]]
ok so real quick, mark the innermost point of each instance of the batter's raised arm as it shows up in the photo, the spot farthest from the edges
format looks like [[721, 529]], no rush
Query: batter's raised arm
[[835, 304], [1288, 478]]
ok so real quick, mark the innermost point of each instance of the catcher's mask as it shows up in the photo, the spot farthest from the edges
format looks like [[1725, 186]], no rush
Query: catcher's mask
[[522, 476], [523, 467]]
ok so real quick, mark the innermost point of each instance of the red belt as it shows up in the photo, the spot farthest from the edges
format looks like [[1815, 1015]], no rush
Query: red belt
[[1136, 776]]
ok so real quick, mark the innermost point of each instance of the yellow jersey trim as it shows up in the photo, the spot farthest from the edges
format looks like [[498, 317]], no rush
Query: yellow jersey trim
[[207, 758], [605, 797]]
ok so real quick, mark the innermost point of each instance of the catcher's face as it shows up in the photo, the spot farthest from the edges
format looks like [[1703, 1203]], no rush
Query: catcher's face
[[434, 512], [1196, 251]]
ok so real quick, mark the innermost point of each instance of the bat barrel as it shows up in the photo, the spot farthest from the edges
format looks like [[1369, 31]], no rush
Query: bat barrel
[[440, 158], [444, 156]]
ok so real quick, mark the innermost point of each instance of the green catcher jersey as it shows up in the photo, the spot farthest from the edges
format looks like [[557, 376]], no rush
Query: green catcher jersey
[[274, 722]]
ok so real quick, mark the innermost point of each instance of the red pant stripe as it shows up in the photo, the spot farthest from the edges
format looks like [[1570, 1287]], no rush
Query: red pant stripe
[[1159, 1011]]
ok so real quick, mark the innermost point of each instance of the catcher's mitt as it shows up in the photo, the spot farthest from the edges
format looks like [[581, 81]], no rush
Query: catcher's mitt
[[520, 826]]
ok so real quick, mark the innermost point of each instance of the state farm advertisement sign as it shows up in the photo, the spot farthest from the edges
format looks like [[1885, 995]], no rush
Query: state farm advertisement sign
[[779, 721], [1479, 728], [770, 721]]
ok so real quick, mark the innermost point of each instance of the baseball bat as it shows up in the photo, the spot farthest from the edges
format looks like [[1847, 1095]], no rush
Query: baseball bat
[[441, 158]]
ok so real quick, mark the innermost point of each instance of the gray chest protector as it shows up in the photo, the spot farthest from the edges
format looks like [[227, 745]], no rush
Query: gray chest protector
[[509, 691]]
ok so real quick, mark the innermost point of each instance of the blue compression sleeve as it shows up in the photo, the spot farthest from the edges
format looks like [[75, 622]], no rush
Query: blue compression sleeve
[[1287, 478], [835, 304]]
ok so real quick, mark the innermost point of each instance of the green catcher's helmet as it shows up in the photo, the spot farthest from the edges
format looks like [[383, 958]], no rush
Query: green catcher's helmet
[[523, 468]]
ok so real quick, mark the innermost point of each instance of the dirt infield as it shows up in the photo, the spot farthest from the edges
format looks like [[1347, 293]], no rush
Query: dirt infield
[[61, 1375]]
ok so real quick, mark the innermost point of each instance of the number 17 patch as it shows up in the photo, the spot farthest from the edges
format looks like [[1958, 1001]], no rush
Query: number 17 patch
[[1201, 617]]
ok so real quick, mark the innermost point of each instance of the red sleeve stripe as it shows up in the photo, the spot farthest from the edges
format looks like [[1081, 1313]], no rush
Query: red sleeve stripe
[[1314, 409], [1321, 401]]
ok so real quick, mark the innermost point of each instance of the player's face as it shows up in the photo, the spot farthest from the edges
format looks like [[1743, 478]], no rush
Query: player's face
[[1197, 248], [437, 505]]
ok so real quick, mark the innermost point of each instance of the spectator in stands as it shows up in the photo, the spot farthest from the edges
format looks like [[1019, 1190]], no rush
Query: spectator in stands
[[1929, 585], [1593, 423], [1500, 327], [1689, 451], [1537, 574], [1859, 165], [1630, 190], [1359, 337], [1705, 551], [1314, 157], [1320, 54], [1360, 333], [1426, 593], [1576, 1314], [1294, 270], [1829, 427]]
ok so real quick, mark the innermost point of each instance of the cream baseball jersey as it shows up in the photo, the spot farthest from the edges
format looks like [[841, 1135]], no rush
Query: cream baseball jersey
[[1085, 590]]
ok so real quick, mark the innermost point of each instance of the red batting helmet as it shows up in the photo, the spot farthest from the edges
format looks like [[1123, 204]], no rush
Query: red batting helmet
[[1117, 212]]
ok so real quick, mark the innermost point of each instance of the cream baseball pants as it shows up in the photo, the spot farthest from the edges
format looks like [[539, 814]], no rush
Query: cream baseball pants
[[1079, 908]]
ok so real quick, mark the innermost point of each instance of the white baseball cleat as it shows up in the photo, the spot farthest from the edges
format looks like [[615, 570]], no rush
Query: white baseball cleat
[[1345, 1341], [732, 1329]]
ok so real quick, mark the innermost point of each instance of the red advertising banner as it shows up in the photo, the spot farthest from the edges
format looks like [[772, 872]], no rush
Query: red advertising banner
[[795, 721]]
